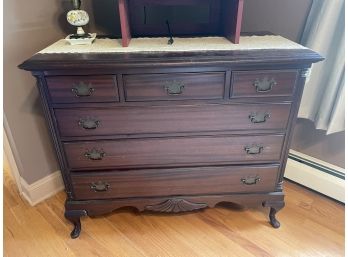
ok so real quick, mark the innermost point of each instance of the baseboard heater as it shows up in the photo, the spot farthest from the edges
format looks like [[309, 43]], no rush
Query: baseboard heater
[[316, 174]]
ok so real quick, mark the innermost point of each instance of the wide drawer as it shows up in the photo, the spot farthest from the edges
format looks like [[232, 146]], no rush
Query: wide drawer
[[169, 182], [174, 86], [263, 83], [80, 89], [175, 119], [176, 151]]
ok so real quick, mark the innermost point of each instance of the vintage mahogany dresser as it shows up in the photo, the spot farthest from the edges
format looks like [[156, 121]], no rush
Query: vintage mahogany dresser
[[172, 131]]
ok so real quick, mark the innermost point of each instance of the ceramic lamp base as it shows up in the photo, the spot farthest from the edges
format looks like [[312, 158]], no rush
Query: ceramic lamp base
[[80, 31]]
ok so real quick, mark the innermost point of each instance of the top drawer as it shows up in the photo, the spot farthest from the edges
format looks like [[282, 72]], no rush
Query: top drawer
[[263, 83], [82, 89], [174, 86]]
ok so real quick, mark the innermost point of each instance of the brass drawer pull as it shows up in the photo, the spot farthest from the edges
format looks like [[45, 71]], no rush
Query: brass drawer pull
[[82, 89], [250, 180], [174, 87], [259, 117], [89, 123], [95, 154], [265, 85], [254, 149], [100, 186]]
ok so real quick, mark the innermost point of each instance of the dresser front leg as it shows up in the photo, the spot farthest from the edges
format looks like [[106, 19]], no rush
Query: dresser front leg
[[275, 207], [74, 217], [272, 218]]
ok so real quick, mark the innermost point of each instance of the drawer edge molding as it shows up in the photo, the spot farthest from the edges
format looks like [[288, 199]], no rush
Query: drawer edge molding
[[104, 206], [174, 151], [82, 89], [263, 83], [174, 86], [171, 119], [174, 181]]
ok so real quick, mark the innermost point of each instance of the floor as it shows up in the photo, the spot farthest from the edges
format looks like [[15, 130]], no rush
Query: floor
[[311, 225]]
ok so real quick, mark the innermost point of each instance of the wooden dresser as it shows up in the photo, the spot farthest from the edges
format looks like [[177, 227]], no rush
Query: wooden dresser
[[171, 131]]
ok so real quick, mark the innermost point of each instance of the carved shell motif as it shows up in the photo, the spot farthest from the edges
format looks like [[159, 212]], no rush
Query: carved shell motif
[[175, 205]]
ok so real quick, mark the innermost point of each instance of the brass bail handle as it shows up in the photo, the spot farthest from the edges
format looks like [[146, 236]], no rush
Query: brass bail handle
[[100, 186], [82, 89], [250, 180], [264, 85], [94, 154], [254, 149], [174, 87], [259, 117], [89, 123]]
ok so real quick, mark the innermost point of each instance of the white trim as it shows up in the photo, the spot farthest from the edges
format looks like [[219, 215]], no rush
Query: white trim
[[43, 188], [39, 190], [315, 179]]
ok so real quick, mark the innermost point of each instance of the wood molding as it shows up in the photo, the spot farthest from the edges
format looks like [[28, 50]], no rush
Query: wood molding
[[176, 205], [314, 178], [43, 188]]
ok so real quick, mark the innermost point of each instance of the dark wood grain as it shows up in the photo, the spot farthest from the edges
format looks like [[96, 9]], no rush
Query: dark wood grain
[[163, 155], [175, 205], [301, 80], [74, 217], [124, 21], [173, 152], [98, 207], [57, 143], [60, 88], [171, 119], [237, 60], [232, 13], [179, 181], [153, 86], [243, 83], [275, 206]]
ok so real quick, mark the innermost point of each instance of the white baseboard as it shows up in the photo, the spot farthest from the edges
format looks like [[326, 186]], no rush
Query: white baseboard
[[42, 189], [315, 174]]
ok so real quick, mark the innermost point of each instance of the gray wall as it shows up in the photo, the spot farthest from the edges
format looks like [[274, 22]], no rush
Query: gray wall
[[28, 27], [31, 25], [282, 17]]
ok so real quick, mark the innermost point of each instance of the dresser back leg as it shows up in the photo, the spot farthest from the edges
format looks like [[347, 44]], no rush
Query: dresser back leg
[[74, 217]]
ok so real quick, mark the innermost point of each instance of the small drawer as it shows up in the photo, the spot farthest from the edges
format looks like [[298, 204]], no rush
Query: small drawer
[[82, 89], [177, 119], [263, 83], [174, 86], [169, 182], [173, 152]]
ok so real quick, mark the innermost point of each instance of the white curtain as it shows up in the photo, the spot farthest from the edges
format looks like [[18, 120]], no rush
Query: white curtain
[[323, 96]]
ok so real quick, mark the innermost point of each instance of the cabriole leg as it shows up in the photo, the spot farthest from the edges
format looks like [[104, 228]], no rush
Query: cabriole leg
[[74, 217], [275, 207]]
